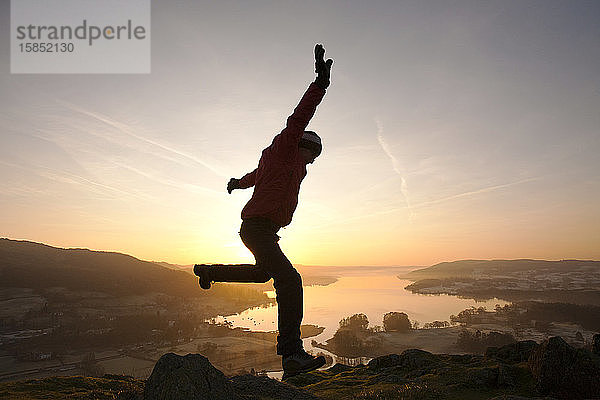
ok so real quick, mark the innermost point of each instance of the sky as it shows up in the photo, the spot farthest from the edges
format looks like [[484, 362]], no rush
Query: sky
[[451, 130]]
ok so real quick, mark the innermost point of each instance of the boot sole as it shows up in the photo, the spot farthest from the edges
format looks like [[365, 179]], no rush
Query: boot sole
[[319, 362], [202, 276]]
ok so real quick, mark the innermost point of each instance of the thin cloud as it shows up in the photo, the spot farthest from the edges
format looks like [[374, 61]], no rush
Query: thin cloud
[[346, 220], [474, 192], [67, 177], [168, 182], [70, 178], [395, 164], [128, 131]]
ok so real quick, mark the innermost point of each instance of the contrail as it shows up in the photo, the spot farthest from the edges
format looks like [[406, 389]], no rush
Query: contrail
[[169, 182], [125, 129], [428, 203], [395, 165], [473, 192], [68, 177]]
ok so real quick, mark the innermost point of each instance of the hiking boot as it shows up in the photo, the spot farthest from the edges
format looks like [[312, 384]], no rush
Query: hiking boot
[[202, 271], [300, 362]]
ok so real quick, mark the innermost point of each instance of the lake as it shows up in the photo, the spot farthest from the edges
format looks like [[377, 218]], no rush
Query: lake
[[372, 291]]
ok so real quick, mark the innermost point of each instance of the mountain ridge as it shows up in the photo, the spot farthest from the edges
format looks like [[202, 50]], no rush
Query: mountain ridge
[[35, 265], [466, 268]]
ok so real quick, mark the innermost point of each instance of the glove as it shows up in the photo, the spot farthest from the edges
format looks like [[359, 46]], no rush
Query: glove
[[232, 185], [322, 68]]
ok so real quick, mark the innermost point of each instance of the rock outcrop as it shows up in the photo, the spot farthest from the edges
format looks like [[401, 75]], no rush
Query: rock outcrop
[[193, 377], [521, 370], [512, 353], [261, 387], [515, 371], [525, 370], [564, 371], [413, 359]]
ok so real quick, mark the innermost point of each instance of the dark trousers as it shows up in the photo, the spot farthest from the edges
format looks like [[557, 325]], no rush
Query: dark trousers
[[260, 237]]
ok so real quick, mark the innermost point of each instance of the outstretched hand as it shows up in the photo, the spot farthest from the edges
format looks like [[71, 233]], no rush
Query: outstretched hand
[[232, 185], [322, 67]]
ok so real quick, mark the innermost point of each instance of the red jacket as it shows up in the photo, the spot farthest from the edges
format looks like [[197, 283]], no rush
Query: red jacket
[[280, 169]]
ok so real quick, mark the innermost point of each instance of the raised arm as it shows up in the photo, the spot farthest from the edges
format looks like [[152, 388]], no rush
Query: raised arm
[[288, 139], [313, 96], [304, 111]]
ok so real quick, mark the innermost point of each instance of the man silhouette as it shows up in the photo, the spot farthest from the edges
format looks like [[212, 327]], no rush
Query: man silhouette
[[276, 181]]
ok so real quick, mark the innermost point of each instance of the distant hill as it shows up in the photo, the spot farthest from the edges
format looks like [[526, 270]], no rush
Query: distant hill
[[176, 267], [469, 268], [27, 264]]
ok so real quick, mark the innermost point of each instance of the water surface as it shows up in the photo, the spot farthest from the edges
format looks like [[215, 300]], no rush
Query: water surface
[[371, 291]]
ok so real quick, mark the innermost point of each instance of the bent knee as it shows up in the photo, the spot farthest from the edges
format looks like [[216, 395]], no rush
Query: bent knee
[[262, 277]]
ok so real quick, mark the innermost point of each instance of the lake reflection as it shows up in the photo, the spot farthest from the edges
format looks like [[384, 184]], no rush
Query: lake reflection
[[372, 294]]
